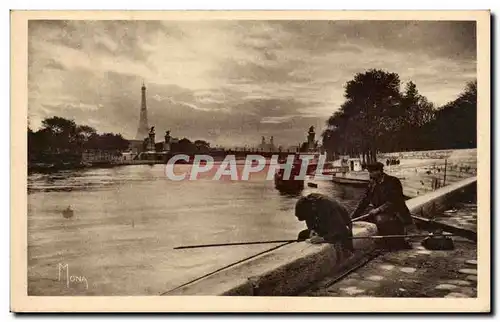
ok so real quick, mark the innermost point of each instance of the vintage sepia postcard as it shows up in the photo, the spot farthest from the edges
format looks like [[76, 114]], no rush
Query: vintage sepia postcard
[[241, 161]]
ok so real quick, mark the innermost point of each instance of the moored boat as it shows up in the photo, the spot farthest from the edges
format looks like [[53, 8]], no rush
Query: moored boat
[[292, 183], [349, 181]]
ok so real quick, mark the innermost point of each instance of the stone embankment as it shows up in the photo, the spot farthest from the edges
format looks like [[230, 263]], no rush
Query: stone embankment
[[417, 272], [420, 174], [292, 268]]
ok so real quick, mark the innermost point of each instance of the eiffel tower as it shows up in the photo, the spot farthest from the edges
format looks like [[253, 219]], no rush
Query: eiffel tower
[[143, 129]]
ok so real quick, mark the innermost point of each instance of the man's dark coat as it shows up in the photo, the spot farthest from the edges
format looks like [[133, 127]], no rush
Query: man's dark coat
[[386, 197]]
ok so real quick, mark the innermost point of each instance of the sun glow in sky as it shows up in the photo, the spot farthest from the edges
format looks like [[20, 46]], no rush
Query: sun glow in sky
[[231, 82]]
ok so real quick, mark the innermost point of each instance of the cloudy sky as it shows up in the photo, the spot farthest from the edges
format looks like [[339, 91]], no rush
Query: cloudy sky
[[230, 82]]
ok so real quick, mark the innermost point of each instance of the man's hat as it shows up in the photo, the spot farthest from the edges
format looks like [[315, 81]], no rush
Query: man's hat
[[377, 166]]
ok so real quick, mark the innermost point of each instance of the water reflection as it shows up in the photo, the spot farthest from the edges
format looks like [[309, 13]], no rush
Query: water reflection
[[127, 220], [290, 194]]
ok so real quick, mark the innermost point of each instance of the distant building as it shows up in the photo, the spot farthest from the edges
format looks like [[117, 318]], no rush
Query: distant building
[[96, 156], [136, 146], [267, 147], [128, 156]]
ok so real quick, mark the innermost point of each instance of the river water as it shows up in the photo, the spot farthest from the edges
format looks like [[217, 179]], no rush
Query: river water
[[128, 219]]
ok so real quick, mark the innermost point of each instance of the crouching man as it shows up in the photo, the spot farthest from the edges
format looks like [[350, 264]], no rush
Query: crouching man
[[327, 221]]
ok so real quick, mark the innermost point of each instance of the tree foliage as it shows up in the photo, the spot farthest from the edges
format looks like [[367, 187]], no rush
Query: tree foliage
[[64, 138], [454, 125], [187, 146], [377, 116]]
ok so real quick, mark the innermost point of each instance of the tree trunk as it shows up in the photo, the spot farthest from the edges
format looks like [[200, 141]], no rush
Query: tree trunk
[[369, 156], [373, 150]]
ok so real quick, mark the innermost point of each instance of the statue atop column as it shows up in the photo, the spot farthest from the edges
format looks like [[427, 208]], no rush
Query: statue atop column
[[166, 144], [310, 139], [151, 141]]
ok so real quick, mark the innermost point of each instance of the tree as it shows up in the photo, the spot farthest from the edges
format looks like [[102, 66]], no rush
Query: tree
[[107, 142], [377, 117], [417, 111], [454, 126], [342, 136], [202, 146], [184, 146], [60, 140], [32, 144], [61, 132], [58, 125], [370, 113], [85, 134]]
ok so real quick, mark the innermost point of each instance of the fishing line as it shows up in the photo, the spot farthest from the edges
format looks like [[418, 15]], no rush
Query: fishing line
[[227, 266], [240, 243]]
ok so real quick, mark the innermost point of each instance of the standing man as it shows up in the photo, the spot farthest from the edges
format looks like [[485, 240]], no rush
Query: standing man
[[326, 220], [389, 210]]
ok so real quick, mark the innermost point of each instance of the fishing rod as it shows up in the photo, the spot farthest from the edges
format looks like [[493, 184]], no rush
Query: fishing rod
[[429, 224], [240, 243], [360, 218], [225, 267], [256, 242], [300, 240]]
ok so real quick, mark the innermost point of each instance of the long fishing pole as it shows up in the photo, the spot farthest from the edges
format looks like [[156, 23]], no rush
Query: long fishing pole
[[257, 242], [299, 240], [285, 242], [424, 223], [360, 218], [227, 266], [240, 243]]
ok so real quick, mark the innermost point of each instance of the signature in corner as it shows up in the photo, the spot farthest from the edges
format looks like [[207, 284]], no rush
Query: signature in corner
[[71, 278]]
